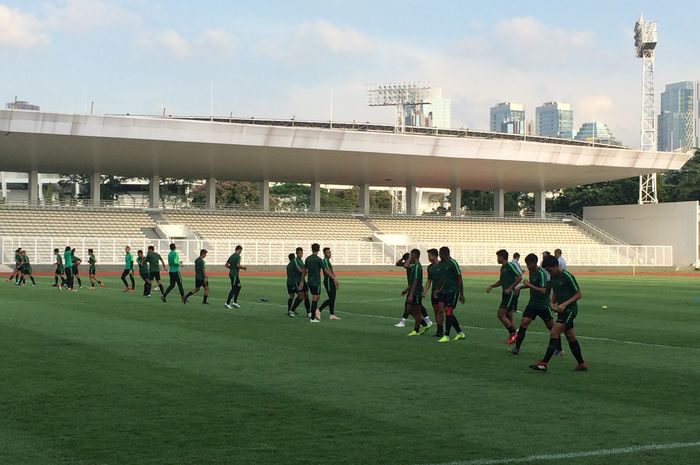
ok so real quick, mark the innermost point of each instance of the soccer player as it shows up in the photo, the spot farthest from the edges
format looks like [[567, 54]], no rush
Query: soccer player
[[538, 304], [301, 285], [516, 262], [451, 291], [76, 271], [433, 282], [404, 263], [414, 291], [142, 262], [154, 262], [293, 278], [59, 269], [18, 264], [312, 270], [68, 267], [174, 272], [510, 277], [330, 282], [128, 270], [234, 267], [201, 278], [92, 269], [26, 267], [565, 297]]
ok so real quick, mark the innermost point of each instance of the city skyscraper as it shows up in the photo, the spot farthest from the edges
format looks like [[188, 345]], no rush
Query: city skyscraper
[[21, 105], [679, 120], [508, 118], [555, 119], [597, 133], [436, 114]]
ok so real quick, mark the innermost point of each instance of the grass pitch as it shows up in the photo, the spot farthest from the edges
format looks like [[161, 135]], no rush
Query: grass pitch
[[102, 377]]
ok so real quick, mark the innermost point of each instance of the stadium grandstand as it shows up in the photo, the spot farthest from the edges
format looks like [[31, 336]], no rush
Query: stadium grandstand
[[356, 155]]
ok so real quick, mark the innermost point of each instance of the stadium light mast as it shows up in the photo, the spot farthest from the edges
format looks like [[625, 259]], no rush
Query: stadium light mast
[[645, 43], [399, 95]]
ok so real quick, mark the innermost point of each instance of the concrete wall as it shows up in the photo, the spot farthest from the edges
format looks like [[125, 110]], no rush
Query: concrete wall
[[674, 224]]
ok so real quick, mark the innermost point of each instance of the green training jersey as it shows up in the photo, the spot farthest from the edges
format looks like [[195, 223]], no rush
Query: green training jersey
[[68, 258], [508, 275], [433, 275], [327, 266], [128, 261], [59, 260], [92, 260], [313, 265], [299, 263], [564, 287], [174, 262], [18, 258], [199, 266], [449, 273], [76, 260], [153, 259], [293, 275], [538, 300], [234, 260], [416, 276], [142, 262]]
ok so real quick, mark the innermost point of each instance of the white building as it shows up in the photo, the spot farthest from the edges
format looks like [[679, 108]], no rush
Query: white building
[[555, 119], [508, 118]]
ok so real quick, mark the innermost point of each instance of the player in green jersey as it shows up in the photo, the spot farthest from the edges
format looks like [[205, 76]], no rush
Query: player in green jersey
[[18, 263], [293, 278], [68, 267], [538, 306], [312, 270], [154, 263], [403, 262], [128, 270], [76, 271], [59, 273], [174, 273], [451, 292], [234, 270], [301, 286], [330, 282], [509, 278], [414, 291], [26, 267], [433, 282], [201, 278], [92, 269], [565, 296], [142, 262]]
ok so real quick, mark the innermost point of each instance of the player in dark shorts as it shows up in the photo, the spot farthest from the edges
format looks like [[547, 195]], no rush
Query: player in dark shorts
[[312, 269], [68, 267], [154, 262], [330, 283], [128, 270], [433, 282], [414, 291], [58, 274], [76, 271], [301, 286], [509, 278], [565, 296], [293, 278], [18, 263], [201, 278], [174, 273], [234, 273], [26, 267], [403, 263], [92, 269], [538, 305], [451, 291], [144, 273]]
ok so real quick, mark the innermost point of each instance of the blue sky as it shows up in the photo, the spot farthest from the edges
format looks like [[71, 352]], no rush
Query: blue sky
[[283, 58]]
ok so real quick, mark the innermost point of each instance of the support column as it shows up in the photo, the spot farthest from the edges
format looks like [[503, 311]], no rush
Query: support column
[[499, 208], [265, 195], [95, 185], [33, 187], [210, 194], [540, 201], [364, 198], [411, 200], [315, 197], [456, 201], [154, 192], [3, 185]]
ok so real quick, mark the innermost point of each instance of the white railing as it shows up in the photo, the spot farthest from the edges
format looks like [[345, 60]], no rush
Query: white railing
[[110, 251]]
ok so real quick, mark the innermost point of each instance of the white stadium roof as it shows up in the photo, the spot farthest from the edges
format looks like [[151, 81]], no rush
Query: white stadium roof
[[349, 154]]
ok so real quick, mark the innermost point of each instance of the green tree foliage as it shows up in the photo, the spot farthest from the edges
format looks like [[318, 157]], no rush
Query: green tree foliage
[[229, 193], [684, 184], [473, 200], [110, 187]]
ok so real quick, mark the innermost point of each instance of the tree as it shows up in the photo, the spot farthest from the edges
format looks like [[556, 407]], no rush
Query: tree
[[483, 201], [110, 186], [684, 184], [573, 199], [229, 193]]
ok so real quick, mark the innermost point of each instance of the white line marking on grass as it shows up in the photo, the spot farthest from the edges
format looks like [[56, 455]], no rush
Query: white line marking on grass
[[577, 455]]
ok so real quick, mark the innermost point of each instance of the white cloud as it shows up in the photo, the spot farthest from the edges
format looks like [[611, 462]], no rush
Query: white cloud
[[18, 29], [216, 41], [174, 44], [84, 15]]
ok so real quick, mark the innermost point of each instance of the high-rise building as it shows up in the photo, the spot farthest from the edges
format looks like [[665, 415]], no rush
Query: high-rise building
[[679, 120], [21, 105], [508, 118], [555, 119], [436, 114], [596, 133]]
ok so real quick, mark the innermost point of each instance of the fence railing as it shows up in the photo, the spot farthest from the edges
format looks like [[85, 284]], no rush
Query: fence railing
[[110, 251]]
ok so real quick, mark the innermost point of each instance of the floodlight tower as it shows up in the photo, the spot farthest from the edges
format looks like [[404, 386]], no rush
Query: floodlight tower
[[399, 95], [645, 43]]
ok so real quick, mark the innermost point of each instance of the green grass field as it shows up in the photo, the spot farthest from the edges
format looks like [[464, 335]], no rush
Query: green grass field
[[102, 377]]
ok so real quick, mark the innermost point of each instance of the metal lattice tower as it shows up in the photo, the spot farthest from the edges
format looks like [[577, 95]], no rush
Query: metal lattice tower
[[399, 95], [645, 43]]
